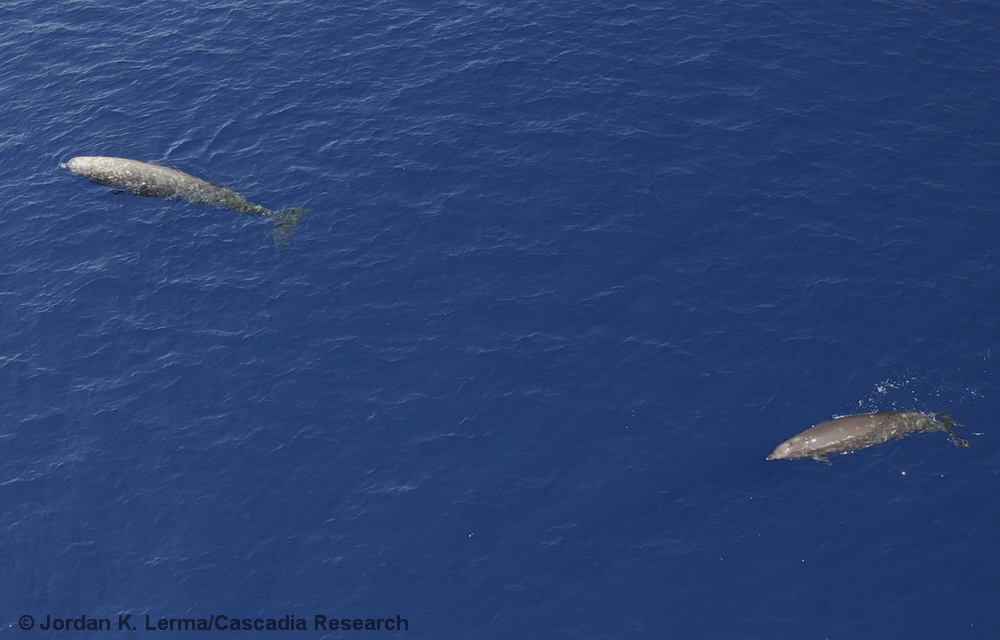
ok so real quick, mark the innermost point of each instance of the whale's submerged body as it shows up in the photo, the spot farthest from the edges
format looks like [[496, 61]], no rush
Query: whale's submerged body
[[146, 179], [850, 433]]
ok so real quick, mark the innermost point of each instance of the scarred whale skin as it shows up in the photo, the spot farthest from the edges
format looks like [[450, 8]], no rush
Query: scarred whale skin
[[850, 433], [146, 179]]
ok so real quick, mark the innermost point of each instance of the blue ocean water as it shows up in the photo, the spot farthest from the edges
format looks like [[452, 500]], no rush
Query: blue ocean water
[[570, 272]]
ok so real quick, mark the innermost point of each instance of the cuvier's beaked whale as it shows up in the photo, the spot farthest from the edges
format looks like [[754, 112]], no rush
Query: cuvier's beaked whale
[[847, 434], [154, 180]]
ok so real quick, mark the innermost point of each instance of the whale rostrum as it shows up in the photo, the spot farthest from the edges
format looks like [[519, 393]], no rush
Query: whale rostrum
[[847, 434], [154, 180]]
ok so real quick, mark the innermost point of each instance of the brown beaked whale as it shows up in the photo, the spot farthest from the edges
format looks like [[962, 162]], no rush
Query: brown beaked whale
[[847, 434], [158, 181]]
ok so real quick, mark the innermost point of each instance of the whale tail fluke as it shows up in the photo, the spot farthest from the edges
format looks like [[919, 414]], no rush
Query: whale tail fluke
[[284, 223], [948, 424]]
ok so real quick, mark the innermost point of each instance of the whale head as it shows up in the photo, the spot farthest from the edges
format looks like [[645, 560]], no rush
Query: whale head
[[83, 165], [797, 447], [781, 452]]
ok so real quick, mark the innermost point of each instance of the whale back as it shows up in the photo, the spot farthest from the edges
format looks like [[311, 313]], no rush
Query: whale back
[[158, 181], [850, 433]]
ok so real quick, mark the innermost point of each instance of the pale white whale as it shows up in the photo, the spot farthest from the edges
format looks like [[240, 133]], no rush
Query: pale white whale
[[146, 179], [850, 433]]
